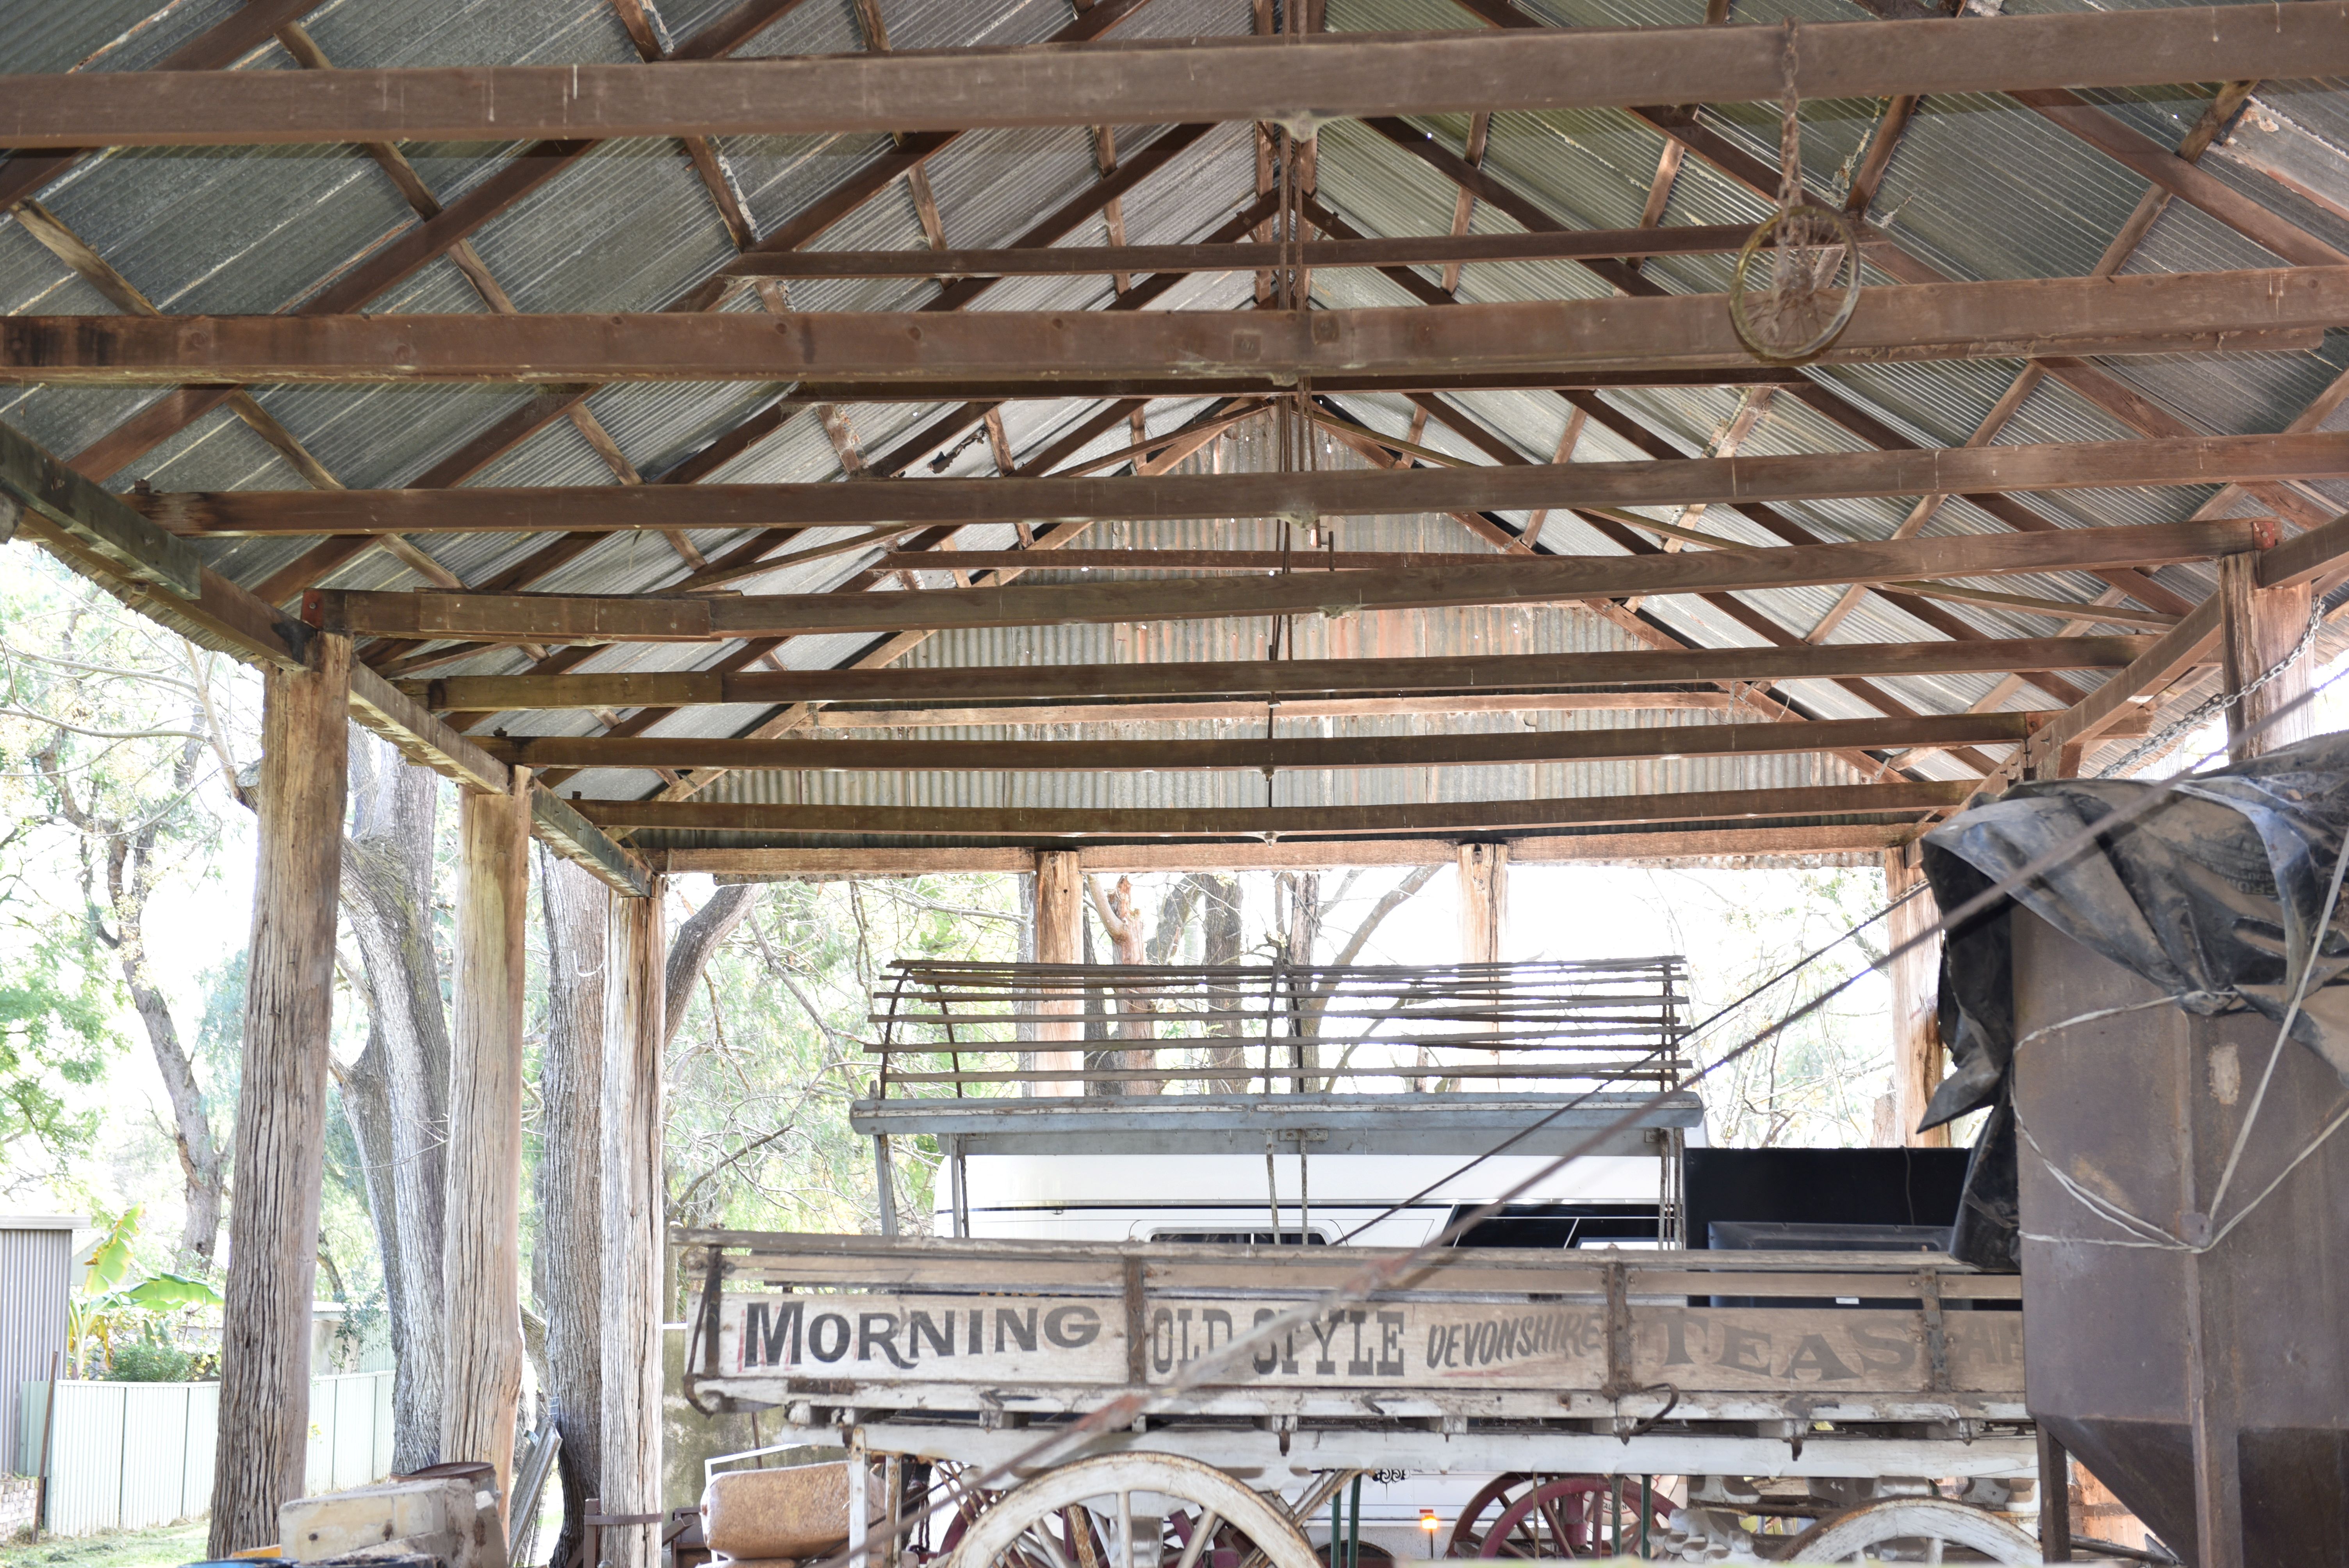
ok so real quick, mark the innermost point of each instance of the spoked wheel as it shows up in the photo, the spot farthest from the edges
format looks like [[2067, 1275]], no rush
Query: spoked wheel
[[1543, 1518], [1132, 1510], [1912, 1530]]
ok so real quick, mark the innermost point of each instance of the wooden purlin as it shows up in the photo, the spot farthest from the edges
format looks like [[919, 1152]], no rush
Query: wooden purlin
[[1225, 79], [1510, 484], [1294, 678], [1516, 748], [1529, 342], [1531, 580], [1069, 827], [1855, 843]]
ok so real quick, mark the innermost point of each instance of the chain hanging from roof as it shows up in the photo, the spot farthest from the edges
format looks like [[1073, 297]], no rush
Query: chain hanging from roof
[[1797, 276]]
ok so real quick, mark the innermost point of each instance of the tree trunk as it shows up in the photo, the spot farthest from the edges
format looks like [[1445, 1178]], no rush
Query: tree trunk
[[635, 1014], [281, 1120], [387, 868], [367, 1103], [129, 858], [1220, 941], [567, 1263], [479, 1260], [697, 939], [201, 1167]]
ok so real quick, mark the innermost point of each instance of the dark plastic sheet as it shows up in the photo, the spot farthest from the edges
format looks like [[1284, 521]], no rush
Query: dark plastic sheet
[[2213, 896]]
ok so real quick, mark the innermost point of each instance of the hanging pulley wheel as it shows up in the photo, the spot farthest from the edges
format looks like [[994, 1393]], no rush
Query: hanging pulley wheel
[[1796, 285]]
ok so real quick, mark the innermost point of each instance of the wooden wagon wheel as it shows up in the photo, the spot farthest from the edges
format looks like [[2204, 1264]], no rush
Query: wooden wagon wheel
[[1796, 280], [1911, 1529], [1132, 1510], [1468, 1529], [1547, 1517], [1565, 1516]]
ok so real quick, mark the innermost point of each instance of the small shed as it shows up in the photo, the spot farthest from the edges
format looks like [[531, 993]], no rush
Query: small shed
[[36, 1277]]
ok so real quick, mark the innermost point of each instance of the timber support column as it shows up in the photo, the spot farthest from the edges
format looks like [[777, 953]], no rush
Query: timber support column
[[1060, 937], [635, 1222], [1484, 902], [2258, 627], [1915, 998], [481, 1250], [281, 1113]]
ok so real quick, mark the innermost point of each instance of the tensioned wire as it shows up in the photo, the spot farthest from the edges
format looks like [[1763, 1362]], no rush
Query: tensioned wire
[[1235, 1359]]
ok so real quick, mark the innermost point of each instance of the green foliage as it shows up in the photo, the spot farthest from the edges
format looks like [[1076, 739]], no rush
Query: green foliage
[[124, 1330], [110, 1261], [150, 1361], [770, 1055], [55, 1036]]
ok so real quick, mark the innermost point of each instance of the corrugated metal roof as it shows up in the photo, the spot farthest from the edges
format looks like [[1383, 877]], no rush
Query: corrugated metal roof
[[1979, 188]]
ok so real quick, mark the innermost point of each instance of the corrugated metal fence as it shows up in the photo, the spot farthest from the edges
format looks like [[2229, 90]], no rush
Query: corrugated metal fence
[[36, 1277], [127, 1455]]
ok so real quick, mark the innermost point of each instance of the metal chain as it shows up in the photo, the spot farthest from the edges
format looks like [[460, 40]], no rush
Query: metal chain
[[2201, 711]]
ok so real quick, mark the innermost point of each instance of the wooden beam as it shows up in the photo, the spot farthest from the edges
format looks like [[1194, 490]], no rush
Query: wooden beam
[[1254, 712], [217, 47], [2320, 552], [1540, 342], [379, 705], [2179, 649], [575, 839], [130, 544], [1320, 75], [1855, 843], [1341, 493], [1076, 823], [281, 1116], [1289, 678], [1526, 580], [1077, 261], [879, 503], [1287, 754]]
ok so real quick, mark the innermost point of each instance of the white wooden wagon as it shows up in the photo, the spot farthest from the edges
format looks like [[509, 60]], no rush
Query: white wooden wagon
[[1868, 1375]]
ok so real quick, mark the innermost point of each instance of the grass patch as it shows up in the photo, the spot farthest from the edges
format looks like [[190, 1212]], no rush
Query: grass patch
[[163, 1546]]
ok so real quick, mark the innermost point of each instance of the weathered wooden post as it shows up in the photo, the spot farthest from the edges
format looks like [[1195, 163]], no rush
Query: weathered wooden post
[[636, 1010], [1059, 932], [1916, 996], [480, 1253], [1484, 902], [2257, 627], [281, 1116]]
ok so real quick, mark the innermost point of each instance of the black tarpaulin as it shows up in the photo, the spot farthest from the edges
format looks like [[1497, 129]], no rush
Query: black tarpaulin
[[2211, 895]]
